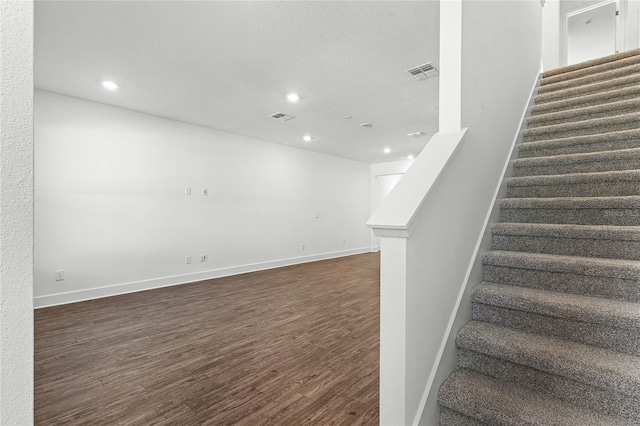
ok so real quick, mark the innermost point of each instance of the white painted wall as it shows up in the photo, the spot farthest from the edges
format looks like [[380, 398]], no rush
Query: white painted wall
[[387, 174], [551, 57], [111, 208], [16, 213], [441, 250]]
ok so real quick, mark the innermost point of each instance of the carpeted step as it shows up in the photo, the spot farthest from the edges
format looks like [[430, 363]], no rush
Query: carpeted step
[[623, 408], [610, 278], [581, 144], [611, 242], [453, 418], [592, 71], [597, 367], [604, 323], [616, 72], [598, 184], [620, 211], [622, 159], [495, 402], [586, 66], [598, 98], [596, 126], [583, 113], [597, 87]]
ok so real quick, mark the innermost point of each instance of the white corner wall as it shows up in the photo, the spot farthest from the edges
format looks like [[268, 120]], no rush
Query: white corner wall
[[111, 209], [16, 212], [501, 52]]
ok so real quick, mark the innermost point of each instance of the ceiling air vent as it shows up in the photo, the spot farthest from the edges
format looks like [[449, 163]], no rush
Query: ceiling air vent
[[423, 71], [282, 116]]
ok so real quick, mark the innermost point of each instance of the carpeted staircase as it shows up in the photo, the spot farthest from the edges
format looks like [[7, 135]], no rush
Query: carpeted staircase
[[555, 334]]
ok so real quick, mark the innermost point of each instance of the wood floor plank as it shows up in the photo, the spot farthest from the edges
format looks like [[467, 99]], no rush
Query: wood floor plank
[[295, 345]]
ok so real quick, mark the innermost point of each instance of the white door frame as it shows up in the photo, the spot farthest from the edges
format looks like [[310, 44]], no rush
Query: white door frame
[[621, 6]]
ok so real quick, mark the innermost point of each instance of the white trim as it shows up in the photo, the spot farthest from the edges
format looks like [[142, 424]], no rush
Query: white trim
[[135, 286], [472, 261]]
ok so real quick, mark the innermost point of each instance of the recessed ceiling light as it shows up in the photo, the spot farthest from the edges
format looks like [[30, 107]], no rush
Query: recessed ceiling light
[[387, 150], [410, 157], [109, 85], [307, 138], [346, 117], [366, 124], [293, 97]]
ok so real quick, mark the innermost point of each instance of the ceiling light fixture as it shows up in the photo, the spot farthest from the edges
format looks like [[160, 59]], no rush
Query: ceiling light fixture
[[109, 85], [307, 138], [410, 157], [293, 97], [387, 150]]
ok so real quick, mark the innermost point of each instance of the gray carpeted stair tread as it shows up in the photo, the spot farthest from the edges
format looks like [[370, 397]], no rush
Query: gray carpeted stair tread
[[601, 125], [582, 157], [595, 310], [590, 232], [593, 70], [449, 417], [498, 403], [597, 87], [616, 211], [624, 139], [620, 242], [582, 113], [596, 184], [587, 65], [607, 403], [597, 367], [610, 278], [590, 78], [591, 99]]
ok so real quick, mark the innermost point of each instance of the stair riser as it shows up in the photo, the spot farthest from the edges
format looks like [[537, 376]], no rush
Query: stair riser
[[585, 247], [587, 285], [528, 152], [551, 96], [617, 217], [632, 92], [540, 134], [633, 162], [599, 335], [547, 86], [603, 401], [572, 118], [589, 189], [449, 417]]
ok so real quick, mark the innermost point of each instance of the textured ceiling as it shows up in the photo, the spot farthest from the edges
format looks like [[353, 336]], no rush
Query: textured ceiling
[[228, 65]]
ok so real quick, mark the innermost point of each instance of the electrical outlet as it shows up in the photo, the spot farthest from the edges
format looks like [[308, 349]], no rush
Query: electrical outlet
[[204, 257], [303, 246], [187, 260], [317, 215], [205, 192], [187, 190], [60, 275]]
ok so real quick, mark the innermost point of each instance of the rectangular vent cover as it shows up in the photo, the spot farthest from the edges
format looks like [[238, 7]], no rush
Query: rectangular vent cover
[[282, 116], [423, 71]]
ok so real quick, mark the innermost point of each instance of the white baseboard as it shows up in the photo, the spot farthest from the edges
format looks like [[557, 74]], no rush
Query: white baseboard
[[131, 287]]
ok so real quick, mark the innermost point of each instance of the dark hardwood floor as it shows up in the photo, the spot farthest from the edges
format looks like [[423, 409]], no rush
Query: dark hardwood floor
[[289, 346]]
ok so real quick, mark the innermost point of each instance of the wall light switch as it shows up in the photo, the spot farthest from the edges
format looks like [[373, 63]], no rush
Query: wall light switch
[[60, 275], [187, 190], [204, 258], [187, 260], [205, 192], [317, 215]]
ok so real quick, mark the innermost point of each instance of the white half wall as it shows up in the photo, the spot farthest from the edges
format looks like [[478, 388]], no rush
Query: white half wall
[[16, 212], [111, 209], [384, 177]]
